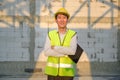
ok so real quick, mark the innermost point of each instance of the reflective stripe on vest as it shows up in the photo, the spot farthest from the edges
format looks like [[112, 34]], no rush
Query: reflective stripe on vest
[[61, 65]]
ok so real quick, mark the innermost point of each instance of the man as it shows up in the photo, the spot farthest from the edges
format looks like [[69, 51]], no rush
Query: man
[[59, 44]]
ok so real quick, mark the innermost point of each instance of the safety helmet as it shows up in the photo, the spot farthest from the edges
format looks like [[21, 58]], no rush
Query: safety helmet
[[62, 11]]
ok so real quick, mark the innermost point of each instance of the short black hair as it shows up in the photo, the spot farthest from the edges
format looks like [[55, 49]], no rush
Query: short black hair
[[62, 14]]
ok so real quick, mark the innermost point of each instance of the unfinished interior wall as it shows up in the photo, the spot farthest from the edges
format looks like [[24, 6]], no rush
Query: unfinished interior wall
[[24, 25]]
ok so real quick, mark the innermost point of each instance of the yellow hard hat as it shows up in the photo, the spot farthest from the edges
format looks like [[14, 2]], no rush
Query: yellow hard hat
[[62, 11]]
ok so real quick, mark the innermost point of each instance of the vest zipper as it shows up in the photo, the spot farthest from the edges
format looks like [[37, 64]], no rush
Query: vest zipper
[[61, 43], [59, 57], [58, 65]]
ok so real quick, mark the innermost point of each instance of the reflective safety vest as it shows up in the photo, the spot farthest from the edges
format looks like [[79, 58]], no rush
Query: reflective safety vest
[[62, 66]]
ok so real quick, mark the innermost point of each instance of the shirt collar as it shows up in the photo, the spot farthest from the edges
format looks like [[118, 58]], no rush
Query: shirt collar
[[65, 32]]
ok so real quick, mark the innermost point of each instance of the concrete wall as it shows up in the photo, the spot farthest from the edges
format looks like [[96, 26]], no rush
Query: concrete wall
[[24, 25]]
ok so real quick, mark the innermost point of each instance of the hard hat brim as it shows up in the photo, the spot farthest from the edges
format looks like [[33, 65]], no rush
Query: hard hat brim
[[62, 13]]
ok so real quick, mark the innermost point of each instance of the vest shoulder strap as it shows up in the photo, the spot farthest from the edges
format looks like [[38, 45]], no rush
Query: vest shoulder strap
[[51, 33], [72, 32]]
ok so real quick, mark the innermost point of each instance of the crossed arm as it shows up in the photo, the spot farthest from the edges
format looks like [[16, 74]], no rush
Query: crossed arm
[[60, 50]]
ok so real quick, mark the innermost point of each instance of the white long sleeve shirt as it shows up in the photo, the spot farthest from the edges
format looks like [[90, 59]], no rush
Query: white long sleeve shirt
[[60, 50]]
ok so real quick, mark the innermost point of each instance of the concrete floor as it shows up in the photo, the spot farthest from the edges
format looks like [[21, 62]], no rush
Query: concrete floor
[[76, 78]]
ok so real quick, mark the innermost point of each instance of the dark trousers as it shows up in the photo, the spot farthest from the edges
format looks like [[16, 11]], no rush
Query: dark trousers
[[59, 77]]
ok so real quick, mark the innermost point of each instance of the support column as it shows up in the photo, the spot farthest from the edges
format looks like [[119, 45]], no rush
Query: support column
[[32, 30], [118, 35]]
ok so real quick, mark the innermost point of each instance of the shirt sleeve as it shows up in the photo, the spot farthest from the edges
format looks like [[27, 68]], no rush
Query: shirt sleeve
[[68, 50], [50, 52]]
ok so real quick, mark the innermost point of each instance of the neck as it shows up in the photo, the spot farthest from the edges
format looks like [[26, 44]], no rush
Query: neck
[[62, 30]]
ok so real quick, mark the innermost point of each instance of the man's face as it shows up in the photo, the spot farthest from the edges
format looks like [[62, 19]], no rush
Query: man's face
[[61, 20]]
